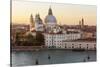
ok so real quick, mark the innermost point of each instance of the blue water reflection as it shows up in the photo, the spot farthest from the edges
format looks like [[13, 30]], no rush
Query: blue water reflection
[[24, 58]]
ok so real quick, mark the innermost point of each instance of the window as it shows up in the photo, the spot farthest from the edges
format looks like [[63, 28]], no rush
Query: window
[[72, 46], [94, 46], [87, 46], [80, 45], [65, 46]]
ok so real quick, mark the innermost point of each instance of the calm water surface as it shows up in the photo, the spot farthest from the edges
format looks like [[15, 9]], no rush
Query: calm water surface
[[25, 58]]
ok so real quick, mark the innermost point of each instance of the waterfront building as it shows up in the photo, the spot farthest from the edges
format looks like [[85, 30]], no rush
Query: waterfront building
[[87, 35], [56, 39], [86, 44]]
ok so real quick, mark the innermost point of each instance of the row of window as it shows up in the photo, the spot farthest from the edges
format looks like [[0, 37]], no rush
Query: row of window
[[53, 44], [62, 36], [72, 47], [68, 38], [60, 44], [80, 44], [53, 41]]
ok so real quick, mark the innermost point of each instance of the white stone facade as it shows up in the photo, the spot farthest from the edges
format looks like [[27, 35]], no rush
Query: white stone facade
[[68, 41], [91, 45], [57, 39]]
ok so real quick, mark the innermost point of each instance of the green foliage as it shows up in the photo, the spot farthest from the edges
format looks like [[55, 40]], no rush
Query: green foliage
[[39, 38], [30, 40]]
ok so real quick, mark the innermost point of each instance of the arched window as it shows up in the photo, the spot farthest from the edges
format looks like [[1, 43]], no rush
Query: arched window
[[65, 46], [72, 46], [87, 46], [80, 45], [94, 46]]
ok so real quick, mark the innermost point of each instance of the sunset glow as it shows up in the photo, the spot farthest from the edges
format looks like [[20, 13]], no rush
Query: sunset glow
[[65, 13]]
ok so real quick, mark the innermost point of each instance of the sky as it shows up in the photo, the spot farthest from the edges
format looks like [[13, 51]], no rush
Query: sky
[[68, 14]]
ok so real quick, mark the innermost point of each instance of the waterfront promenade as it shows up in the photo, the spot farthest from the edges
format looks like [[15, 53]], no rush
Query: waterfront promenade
[[36, 48]]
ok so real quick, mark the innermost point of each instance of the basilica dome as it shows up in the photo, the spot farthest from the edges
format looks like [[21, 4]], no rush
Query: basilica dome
[[50, 18]]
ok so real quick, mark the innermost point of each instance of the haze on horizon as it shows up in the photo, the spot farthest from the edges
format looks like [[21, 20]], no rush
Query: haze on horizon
[[68, 14]]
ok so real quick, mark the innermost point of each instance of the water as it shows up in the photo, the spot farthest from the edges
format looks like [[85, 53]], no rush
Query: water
[[25, 58]]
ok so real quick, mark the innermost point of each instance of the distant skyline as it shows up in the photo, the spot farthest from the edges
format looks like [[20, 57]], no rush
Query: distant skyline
[[68, 14]]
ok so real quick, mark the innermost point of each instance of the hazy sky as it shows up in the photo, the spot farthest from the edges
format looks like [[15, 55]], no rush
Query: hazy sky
[[65, 13]]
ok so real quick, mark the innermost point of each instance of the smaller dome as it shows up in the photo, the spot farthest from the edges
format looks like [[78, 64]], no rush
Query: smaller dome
[[50, 18]]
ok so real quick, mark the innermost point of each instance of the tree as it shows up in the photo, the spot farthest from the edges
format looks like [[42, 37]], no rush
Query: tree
[[17, 38], [39, 38], [31, 40]]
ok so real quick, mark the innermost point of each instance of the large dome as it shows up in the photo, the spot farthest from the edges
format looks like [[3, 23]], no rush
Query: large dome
[[50, 18]]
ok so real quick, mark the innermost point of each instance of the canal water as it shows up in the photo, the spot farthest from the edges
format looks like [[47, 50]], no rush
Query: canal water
[[25, 58]]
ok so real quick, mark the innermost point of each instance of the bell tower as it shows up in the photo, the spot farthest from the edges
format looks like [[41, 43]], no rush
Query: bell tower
[[32, 23]]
